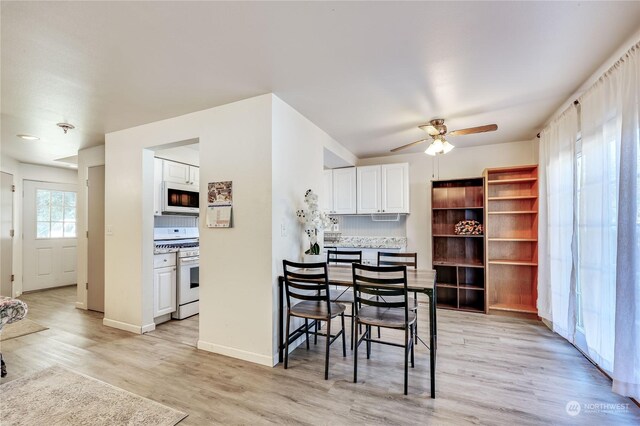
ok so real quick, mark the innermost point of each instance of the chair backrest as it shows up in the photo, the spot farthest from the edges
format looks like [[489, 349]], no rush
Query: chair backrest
[[344, 256], [407, 259], [384, 282], [306, 281]]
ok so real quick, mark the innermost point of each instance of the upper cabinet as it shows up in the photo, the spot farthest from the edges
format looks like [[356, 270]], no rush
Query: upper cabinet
[[366, 190], [383, 189], [339, 187], [180, 173]]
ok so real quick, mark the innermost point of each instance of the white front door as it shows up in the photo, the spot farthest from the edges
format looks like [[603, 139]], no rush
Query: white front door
[[49, 227]]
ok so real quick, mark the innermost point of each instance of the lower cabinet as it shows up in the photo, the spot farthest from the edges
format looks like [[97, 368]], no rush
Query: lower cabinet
[[164, 290]]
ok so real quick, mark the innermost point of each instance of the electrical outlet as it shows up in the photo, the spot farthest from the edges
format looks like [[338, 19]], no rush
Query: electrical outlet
[[109, 229], [283, 230]]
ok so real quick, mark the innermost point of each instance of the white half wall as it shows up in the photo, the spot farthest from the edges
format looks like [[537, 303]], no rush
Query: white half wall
[[459, 163], [89, 157]]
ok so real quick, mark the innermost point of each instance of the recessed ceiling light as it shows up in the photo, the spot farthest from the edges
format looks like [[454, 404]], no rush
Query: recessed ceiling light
[[29, 137]]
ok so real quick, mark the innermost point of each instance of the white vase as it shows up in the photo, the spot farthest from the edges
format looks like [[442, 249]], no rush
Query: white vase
[[312, 258]]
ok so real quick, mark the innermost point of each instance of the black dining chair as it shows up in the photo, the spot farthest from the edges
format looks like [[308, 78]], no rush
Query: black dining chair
[[342, 294], [409, 260], [308, 283], [381, 300]]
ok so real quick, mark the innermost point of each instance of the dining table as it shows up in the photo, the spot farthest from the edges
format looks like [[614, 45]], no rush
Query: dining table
[[418, 280]]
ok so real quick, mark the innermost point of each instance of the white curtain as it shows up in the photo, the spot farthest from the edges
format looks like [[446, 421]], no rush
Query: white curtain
[[626, 366], [556, 275], [608, 224]]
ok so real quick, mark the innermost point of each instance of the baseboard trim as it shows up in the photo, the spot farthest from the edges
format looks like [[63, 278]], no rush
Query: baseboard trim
[[80, 305], [149, 327], [236, 353], [122, 326]]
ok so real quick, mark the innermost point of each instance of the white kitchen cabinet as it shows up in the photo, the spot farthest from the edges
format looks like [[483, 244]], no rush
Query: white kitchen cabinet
[[369, 191], [339, 191], [157, 186], [164, 291], [344, 191], [194, 175], [180, 173], [395, 188], [383, 189]]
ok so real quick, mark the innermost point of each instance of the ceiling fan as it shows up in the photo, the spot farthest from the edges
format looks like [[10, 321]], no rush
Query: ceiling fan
[[437, 130]]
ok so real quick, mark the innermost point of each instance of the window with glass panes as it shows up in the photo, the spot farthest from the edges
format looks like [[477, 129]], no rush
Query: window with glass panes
[[55, 214]]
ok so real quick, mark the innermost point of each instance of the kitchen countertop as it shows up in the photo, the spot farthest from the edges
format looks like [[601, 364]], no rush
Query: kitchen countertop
[[369, 242]]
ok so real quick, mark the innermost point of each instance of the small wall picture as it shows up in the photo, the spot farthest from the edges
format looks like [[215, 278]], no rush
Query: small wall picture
[[220, 193]]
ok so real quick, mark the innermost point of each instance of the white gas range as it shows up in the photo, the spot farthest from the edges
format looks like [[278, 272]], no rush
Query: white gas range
[[183, 242]]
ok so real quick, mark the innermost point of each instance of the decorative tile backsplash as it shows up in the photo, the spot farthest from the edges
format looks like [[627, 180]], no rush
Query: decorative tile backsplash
[[369, 242], [364, 226]]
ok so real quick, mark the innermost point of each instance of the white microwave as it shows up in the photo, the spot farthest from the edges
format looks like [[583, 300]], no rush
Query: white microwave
[[180, 199]]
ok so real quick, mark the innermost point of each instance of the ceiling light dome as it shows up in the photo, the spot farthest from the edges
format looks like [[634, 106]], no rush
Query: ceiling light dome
[[28, 137]]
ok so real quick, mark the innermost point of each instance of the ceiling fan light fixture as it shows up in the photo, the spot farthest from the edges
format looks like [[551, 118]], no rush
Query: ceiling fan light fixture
[[432, 150], [447, 147]]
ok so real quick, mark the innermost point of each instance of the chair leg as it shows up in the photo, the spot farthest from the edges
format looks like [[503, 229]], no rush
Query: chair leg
[[315, 338], [326, 359], [286, 347], [306, 327], [344, 338], [413, 344], [354, 338], [406, 359], [367, 332], [355, 354]]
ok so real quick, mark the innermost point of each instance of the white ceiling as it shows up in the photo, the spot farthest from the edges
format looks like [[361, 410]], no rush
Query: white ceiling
[[367, 73]]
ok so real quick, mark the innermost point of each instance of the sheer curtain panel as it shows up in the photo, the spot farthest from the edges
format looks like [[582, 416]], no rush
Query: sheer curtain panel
[[608, 224], [556, 275]]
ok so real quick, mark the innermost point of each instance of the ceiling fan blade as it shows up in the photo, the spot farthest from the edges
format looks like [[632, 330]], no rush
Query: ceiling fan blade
[[408, 145], [430, 129], [471, 130]]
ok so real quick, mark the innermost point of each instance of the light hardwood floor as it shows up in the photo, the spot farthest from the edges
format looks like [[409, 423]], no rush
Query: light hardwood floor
[[491, 370]]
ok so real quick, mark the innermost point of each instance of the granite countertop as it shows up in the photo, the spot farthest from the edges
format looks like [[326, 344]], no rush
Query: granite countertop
[[369, 242]]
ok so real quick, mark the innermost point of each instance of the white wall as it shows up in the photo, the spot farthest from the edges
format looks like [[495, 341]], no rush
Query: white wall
[[89, 157], [459, 163], [298, 162], [20, 172]]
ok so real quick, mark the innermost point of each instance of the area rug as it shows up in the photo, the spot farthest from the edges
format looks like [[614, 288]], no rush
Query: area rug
[[57, 396], [20, 328]]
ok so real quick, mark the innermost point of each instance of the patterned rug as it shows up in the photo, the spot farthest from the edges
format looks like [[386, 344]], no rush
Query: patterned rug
[[57, 396], [20, 328]]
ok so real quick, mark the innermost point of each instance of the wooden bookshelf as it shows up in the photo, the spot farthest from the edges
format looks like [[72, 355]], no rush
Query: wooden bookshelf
[[458, 260], [511, 250]]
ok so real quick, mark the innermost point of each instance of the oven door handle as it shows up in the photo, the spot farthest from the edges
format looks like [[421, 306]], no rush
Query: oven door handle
[[189, 261]]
